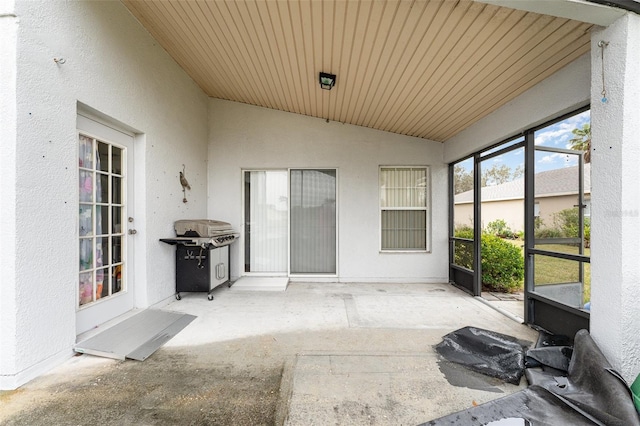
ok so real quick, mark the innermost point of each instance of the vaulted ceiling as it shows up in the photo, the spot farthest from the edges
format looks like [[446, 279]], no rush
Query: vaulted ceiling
[[425, 68]]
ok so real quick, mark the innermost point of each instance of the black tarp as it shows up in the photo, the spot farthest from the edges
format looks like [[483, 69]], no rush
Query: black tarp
[[590, 394], [487, 352]]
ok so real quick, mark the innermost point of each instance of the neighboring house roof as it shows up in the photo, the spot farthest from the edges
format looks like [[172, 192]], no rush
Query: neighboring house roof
[[548, 184]]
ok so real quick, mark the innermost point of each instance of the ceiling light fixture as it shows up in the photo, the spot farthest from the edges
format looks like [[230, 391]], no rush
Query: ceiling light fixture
[[327, 81]]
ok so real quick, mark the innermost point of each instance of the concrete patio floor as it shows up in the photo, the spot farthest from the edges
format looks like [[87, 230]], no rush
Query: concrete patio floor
[[345, 354]]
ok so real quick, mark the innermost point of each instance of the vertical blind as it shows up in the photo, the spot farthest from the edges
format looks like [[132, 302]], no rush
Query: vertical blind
[[403, 204], [313, 221], [268, 221]]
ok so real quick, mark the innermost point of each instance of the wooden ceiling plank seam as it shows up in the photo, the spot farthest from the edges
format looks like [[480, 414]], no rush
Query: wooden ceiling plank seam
[[449, 31], [204, 42], [369, 38], [498, 60], [451, 70], [306, 31], [351, 24], [283, 49], [238, 53], [423, 48], [222, 65], [418, 31], [355, 59], [168, 43], [518, 68], [337, 27], [348, 18], [378, 26], [280, 78], [298, 37], [528, 77], [564, 60], [455, 71], [485, 64], [253, 42], [381, 62], [325, 45], [404, 32], [501, 23], [217, 85], [523, 71], [246, 33], [272, 67], [280, 46], [284, 16], [328, 30]]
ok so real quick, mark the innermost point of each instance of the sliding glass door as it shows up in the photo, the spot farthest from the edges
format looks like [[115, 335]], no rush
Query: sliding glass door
[[290, 221], [313, 221], [266, 221]]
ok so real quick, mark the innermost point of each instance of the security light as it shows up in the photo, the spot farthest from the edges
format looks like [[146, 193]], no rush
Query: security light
[[327, 81]]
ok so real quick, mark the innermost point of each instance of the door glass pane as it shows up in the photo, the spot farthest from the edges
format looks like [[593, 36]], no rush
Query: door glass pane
[[99, 216], [116, 160], [267, 221], [117, 220], [313, 221], [86, 186], [565, 281], [117, 190], [86, 288], [103, 157], [85, 152], [102, 220], [463, 195], [86, 220], [86, 254], [463, 213]]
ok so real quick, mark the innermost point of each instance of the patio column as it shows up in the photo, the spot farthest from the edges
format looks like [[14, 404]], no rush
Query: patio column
[[615, 194]]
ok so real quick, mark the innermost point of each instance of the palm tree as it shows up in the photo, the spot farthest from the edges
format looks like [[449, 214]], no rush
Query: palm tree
[[581, 141]]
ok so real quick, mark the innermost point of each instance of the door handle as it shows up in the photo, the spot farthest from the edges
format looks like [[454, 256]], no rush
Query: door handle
[[132, 232]]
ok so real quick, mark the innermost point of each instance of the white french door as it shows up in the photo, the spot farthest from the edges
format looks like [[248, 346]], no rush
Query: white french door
[[105, 224], [290, 222]]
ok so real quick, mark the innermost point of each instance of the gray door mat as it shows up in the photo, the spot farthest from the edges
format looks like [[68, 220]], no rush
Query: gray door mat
[[137, 337]]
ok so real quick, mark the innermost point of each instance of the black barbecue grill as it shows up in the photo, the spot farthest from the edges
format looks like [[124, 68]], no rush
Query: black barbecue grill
[[202, 254]]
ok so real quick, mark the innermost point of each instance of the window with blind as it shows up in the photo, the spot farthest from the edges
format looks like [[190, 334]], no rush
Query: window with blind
[[404, 208]]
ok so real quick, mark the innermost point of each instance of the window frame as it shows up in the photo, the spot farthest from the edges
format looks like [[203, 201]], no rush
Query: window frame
[[426, 208]]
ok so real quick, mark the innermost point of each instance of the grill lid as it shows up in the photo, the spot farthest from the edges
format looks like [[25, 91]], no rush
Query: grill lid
[[204, 228]]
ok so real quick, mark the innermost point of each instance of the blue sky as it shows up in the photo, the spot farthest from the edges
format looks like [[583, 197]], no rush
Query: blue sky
[[556, 136]]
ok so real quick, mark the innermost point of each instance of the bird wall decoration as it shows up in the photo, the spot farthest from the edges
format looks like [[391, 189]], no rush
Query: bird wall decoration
[[185, 185]]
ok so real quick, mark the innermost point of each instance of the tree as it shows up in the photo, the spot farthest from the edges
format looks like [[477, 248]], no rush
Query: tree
[[462, 179], [581, 141], [501, 173], [495, 175]]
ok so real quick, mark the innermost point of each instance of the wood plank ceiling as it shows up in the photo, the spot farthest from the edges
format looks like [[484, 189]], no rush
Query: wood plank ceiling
[[423, 68]]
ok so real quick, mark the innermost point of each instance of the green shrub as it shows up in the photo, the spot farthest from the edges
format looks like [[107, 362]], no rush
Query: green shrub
[[548, 233], [463, 251], [502, 264], [500, 229]]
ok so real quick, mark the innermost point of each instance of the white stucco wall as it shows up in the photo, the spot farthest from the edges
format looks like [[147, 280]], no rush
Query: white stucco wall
[[114, 66], [243, 137], [615, 196], [563, 92], [8, 117]]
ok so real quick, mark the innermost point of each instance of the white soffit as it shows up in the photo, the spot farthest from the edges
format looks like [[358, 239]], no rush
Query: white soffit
[[578, 10]]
